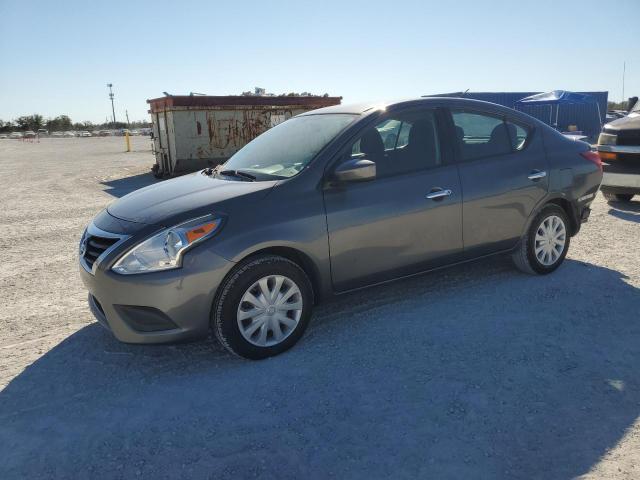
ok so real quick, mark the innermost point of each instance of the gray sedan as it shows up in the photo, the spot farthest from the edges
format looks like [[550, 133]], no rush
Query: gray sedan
[[330, 201]]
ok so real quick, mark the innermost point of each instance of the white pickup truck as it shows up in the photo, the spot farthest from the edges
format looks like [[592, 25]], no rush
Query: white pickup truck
[[619, 149]]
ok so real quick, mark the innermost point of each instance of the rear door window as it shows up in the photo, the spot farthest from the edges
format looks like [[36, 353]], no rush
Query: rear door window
[[481, 135]]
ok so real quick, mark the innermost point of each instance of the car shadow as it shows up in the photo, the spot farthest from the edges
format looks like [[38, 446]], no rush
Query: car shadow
[[629, 211], [472, 372], [122, 186]]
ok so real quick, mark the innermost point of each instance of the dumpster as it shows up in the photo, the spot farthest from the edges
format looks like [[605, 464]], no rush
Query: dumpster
[[194, 132]]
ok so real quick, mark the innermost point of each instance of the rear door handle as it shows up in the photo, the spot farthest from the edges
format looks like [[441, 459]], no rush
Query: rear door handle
[[537, 175], [438, 194]]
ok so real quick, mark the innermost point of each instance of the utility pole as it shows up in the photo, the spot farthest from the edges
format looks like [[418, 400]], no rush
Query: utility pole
[[113, 110], [624, 71]]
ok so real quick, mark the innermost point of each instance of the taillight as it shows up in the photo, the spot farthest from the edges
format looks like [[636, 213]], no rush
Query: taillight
[[592, 157]]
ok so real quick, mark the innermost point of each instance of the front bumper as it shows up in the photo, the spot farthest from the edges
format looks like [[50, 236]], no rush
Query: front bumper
[[158, 307], [621, 175], [623, 149]]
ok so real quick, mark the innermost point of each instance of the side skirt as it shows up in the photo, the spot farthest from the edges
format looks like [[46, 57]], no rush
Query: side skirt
[[442, 267]]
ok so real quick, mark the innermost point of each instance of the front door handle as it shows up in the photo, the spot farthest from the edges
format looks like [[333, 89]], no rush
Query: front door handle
[[439, 194], [537, 175]]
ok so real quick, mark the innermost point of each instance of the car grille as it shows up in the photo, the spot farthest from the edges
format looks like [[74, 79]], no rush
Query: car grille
[[95, 247], [628, 137]]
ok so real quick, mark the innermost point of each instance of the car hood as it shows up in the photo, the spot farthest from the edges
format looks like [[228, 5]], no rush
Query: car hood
[[630, 122], [170, 201]]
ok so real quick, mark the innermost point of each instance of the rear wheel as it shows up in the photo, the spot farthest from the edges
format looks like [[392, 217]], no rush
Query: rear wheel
[[545, 244], [617, 197], [155, 169], [263, 307]]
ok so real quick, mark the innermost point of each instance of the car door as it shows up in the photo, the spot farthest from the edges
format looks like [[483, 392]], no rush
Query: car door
[[503, 174], [407, 219]]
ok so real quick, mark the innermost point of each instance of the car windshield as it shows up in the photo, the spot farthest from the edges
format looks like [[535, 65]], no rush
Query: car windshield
[[284, 150]]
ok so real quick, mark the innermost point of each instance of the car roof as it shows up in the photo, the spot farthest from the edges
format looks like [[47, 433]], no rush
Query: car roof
[[451, 102], [352, 108]]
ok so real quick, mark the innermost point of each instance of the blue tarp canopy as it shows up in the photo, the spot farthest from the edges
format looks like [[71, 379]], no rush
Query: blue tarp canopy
[[557, 97]]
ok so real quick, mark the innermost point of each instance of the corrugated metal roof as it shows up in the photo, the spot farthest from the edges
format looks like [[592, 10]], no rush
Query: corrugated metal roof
[[159, 104]]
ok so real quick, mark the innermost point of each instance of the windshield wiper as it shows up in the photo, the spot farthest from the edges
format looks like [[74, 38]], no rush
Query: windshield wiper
[[238, 174]]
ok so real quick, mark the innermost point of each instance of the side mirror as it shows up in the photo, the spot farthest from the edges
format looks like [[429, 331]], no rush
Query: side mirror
[[355, 170]]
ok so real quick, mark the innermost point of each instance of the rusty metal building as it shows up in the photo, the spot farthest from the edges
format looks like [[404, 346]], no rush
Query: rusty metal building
[[193, 132]]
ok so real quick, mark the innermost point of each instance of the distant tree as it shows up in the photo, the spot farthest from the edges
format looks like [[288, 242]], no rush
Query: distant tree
[[116, 125], [60, 123], [617, 105], [140, 124], [7, 127], [22, 122], [37, 122], [30, 122], [64, 123], [83, 126]]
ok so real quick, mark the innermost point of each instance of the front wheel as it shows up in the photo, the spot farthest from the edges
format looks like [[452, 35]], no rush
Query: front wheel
[[545, 244], [263, 307]]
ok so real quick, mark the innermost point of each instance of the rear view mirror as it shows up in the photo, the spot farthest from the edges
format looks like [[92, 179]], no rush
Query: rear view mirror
[[356, 170]]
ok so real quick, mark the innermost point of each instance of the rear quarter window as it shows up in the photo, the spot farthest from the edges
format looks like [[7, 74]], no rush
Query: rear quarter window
[[481, 135], [519, 135]]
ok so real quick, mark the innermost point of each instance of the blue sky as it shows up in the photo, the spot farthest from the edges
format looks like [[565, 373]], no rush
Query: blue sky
[[56, 57]]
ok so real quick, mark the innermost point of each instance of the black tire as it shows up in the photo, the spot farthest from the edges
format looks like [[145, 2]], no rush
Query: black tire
[[524, 256], [155, 169], [225, 308], [617, 197]]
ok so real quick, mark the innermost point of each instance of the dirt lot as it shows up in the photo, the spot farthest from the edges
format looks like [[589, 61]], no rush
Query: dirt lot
[[476, 372]]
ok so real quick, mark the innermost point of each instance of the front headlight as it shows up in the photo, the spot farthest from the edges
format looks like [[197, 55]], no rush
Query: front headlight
[[164, 250], [607, 139]]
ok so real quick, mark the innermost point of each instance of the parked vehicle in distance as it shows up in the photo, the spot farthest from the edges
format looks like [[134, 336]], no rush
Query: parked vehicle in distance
[[29, 134], [4, 135], [57, 134], [85, 133], [16, 135], [43, 132], [619, 148], [614, 115], [69, 134], [322, 204]]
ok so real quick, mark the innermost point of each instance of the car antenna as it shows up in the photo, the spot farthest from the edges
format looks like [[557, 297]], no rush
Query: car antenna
[[464, 93]]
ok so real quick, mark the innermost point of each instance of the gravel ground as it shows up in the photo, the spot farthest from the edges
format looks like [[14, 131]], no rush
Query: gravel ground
[[474, 372]]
